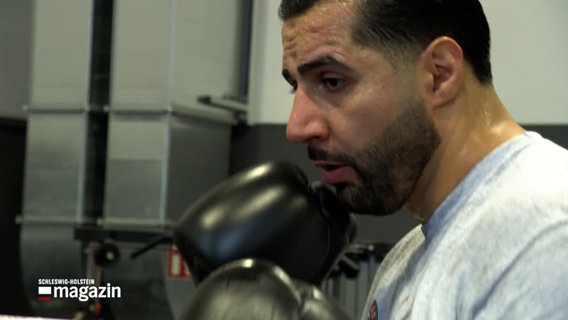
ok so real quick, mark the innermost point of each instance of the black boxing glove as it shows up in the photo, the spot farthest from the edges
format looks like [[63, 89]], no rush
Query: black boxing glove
[[258, 289], [268, 212]]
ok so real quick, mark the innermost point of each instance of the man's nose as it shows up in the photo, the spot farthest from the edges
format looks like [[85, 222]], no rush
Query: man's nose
[[306, 123]]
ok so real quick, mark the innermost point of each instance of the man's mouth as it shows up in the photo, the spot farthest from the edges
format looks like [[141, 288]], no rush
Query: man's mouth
[[334, 173], [327, 165]]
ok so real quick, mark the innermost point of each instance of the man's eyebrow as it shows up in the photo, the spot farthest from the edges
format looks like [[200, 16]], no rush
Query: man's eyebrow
[[324, 61], [319, 62]]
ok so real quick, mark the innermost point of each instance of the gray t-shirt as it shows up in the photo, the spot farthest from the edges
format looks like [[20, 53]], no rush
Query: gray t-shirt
[[496, 248]]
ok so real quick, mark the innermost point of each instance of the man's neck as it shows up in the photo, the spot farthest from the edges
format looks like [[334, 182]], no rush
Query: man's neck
[[470, 128]]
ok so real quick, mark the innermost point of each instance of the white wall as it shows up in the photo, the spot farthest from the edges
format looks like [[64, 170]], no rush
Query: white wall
[[270, 99], [530, 61], [530, 58]]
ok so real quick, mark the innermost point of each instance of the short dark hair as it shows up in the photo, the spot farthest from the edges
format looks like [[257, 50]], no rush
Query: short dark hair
[[406, 27], [292, 8]]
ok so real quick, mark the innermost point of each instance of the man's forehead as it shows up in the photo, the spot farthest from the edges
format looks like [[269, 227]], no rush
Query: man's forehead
[[323, 23], [338, 11], [320, 37]]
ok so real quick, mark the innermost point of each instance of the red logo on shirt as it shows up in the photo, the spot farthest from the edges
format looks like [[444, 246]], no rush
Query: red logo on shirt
[[374, 312]]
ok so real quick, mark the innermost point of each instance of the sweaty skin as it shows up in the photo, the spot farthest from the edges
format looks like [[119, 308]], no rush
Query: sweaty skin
[[386, 137]]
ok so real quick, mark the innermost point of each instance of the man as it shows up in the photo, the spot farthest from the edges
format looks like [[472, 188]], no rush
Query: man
[[394, 100]]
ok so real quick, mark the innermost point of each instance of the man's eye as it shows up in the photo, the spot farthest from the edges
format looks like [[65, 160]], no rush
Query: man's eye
[[332, 83]]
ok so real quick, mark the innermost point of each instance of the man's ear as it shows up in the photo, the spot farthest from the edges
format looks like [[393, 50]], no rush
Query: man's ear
[[441, 71]]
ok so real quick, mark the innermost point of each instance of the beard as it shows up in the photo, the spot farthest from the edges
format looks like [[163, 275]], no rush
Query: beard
[[390, 166]]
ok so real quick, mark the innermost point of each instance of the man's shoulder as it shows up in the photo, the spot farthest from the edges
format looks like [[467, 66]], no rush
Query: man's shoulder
[[528, 168], [544, 150], [403, 251]]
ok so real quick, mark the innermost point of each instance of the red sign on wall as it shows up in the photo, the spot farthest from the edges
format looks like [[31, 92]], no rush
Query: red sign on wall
[[177, 268]]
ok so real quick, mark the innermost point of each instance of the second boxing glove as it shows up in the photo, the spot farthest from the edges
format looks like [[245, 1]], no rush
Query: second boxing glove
[[269, 212], [258, 289]]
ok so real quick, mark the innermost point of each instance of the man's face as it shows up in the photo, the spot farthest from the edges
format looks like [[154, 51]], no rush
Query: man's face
[[364, 124]]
